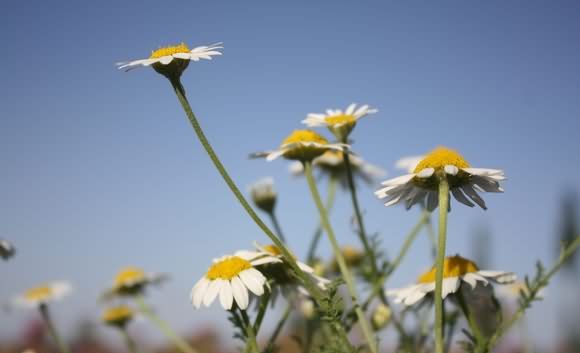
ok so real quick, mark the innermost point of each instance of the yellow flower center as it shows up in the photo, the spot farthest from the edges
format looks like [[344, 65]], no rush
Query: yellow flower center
[[304, 136], [39, 293], [228, 268], [340, 119], [272, 250], [129, 276], [453, 266], [439, 158], [169, 50], [117, 314]]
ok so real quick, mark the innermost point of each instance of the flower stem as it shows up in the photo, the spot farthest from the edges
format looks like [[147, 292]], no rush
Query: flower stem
[[276, 225], [318, 232], [443, 209], [164, 327], [62, 347], [279, 327], [129, 341], [347, 276], [251, 342]]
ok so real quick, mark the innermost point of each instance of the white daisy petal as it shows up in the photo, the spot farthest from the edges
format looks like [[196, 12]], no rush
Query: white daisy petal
[[254, 280], [240, 293], [469, 191], [212, 291], [459, 196], [425, 173], [451, 169], [226, 295]]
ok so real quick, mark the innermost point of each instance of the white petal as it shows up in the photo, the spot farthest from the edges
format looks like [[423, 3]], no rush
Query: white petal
[[403, 179], [451, 169], [254, 280], [226, 295], [449, 285], [499, 276], [350, 109], [432, 200], [472, 278], [198, 291], [468, 189], [426, 173], [166, 59], [275, 154], [459, 196], [240, 293], [212, 291]]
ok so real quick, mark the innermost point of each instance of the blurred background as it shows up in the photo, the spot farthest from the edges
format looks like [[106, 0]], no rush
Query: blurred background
[[100, 168]]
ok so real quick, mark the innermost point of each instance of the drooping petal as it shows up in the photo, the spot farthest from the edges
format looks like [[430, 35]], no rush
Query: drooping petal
[[254, 280], [226, 295], [240, 293], [212, 291]]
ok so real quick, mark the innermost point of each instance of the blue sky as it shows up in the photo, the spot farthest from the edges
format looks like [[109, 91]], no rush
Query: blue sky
[[101, 169]]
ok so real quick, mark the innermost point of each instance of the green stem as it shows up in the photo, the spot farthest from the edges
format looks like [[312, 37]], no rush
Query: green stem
[[264, 301], [361, 227], [347, 276], [62, 347], [251, 342], [163, 326], [443, 208], [279, 327], [329, 203], [129, 341], [424, 219], [276, 225]]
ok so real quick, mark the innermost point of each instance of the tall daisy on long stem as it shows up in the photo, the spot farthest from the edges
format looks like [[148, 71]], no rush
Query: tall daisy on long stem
[[438, 173]]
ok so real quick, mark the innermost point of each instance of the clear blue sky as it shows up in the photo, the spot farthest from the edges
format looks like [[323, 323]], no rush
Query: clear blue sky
[[101, 169]]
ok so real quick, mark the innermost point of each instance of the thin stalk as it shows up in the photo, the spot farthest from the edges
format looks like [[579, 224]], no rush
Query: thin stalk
[[279, 327], [277, 227], [129, 341], [329, 203], [443, 208], [251, 342], [424, 219], [347, 276], [261, 311], [432, 237], [164, 327], [62, 347], [361, 227], [470, 318]]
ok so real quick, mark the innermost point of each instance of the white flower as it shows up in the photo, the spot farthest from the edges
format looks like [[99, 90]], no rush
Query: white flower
[[263, 194], [423, 182], [332, 163], [408, 163], [231, 277], [6, 249], [133, 280], [338, 122], [456, 270], [302, 145], [514, 290], [166, 55], [43, 294]]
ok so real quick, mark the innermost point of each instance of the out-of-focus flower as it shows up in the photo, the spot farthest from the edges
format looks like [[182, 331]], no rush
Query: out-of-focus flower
[[381, 316], [43, 294], [408, 163], [339, 122], [133, 280], [118, 316], [231, 277], [263, 194], [513, 291], [456, 270], [332, 163], [7, 250], [171, 61], [423, 183], [353, 257], [307, 308], [301, 145]]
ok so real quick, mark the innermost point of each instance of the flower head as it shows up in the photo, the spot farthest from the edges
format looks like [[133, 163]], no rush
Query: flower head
[[264, 195], [339, 122], [118, 316], [43, 294], [301, 145], [422, 183], [231, 277], [381, 316], [332, 163], [456, 270], [133, 280], [171, 61], [7, 250], [353, 257], [408, 163]]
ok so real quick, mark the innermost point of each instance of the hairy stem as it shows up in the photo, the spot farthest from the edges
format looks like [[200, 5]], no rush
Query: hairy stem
[[329, 203], [443, 209], [62, 347]]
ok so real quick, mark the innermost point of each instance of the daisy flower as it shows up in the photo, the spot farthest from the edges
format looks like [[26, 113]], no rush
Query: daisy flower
[[6, 249], [422, 183], [353, 257], [301, 145], [338, 122], [231, 277], [43, 294], [332, 163], [118, 316], [133, 280], [173, 60], [456, 270], [263, 194]]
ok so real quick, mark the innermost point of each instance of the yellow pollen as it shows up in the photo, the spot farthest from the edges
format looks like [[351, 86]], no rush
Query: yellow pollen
[[453, 266], [129, 276], [304, 136], [272, 250], [340, 119], [169, 50], [228, 268], [38, 293], [439, 158], [117, 314]]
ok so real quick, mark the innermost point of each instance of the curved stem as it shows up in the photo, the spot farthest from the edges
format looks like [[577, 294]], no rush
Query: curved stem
[[332, 182], [164, 327], [443, 209], [347, 276], [62, 347], [424, 219], [129, 341], [276, 225]]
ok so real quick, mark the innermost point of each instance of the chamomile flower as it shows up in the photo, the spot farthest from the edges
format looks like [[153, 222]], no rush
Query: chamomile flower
[[264, 195], [332, 163], [515, 290], [231, 277], [422, 183], [133, 280], [43, 294], [456, 271], [7, 250], [118, 316], [301, 145], [339, 122], [173, 60], [353, 257]]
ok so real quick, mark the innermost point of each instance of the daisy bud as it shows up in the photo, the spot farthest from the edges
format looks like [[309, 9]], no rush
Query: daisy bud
[[381, 316], [263, 194]]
